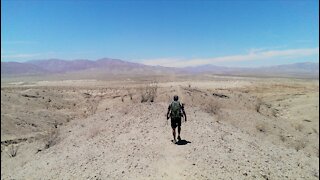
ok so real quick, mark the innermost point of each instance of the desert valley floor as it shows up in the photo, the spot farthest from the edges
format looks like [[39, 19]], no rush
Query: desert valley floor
[[237, 128]]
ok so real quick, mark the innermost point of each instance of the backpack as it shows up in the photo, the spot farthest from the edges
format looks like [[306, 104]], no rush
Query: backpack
[[175, 109]]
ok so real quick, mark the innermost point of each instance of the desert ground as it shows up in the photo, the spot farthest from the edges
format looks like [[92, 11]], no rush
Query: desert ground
[[237, 128]]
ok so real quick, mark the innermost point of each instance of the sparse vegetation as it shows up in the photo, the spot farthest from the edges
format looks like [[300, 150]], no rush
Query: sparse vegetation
[[298, 127], [282, 137], [261, 127], [219, 95], [148, 94], [93, 132], [130, 94], [300, 144], [112, 128], [314, 130], [213, 107], [55, 124], [12, 150], [51, 139], [258, 105]]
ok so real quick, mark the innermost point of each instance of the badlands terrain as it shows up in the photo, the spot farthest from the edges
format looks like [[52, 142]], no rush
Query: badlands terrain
[[237, 128]]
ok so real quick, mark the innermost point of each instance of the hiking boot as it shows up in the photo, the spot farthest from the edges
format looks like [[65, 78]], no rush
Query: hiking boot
[[179, 139]]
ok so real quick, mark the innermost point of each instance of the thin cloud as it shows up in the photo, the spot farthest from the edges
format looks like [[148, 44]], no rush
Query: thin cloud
[[24, 56], [256, 50], [251, 56], [19, 56]]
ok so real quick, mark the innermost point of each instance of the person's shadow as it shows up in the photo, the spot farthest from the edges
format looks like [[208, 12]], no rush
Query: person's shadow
[[182, 142]]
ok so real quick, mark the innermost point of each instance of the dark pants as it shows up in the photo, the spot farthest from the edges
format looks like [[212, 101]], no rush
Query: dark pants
[[175, 122]]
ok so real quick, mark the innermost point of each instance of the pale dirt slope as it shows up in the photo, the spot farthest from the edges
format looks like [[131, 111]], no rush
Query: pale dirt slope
[[108, 135], [134, 146]]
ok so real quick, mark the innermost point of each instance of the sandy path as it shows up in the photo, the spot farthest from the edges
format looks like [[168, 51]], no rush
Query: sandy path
[[174, 163]]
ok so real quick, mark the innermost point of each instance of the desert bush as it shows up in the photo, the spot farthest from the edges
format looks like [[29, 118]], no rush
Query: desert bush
[[298, 127], [93, 132], [282, 137], [258, 105], [213, 108], [300, 144], [124, 110], [55, 124], [130, 94], [51, 138], [148, 93], [314, 130], [12, 150], [261, 127]]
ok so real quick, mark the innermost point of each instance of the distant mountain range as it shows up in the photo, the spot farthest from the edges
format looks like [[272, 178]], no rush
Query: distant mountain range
[[64, 66], [116, 66]]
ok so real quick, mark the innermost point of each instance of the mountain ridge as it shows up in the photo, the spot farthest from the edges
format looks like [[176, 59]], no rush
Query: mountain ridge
[[118, 66]]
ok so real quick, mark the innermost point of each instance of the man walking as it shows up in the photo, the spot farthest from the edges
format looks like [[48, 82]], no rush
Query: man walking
[[176, 111]]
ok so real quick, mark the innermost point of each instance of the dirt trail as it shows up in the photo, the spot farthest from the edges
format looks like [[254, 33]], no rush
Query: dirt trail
[[174, 163]]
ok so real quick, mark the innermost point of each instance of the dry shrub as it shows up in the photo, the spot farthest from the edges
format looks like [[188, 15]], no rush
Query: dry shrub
[[51, 139], [282, 138], [124, 110], [130, 94], [55, 124], [213, 107], [261, 127], [314, 130], [148, 93], [298, 127], [12, 150], [93, 132], [300, 144], [258, 105]]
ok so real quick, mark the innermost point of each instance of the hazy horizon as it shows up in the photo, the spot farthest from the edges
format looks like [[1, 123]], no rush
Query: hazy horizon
[[26, 61]]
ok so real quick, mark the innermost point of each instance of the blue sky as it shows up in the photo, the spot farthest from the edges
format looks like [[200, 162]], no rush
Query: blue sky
[[169, 33]]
